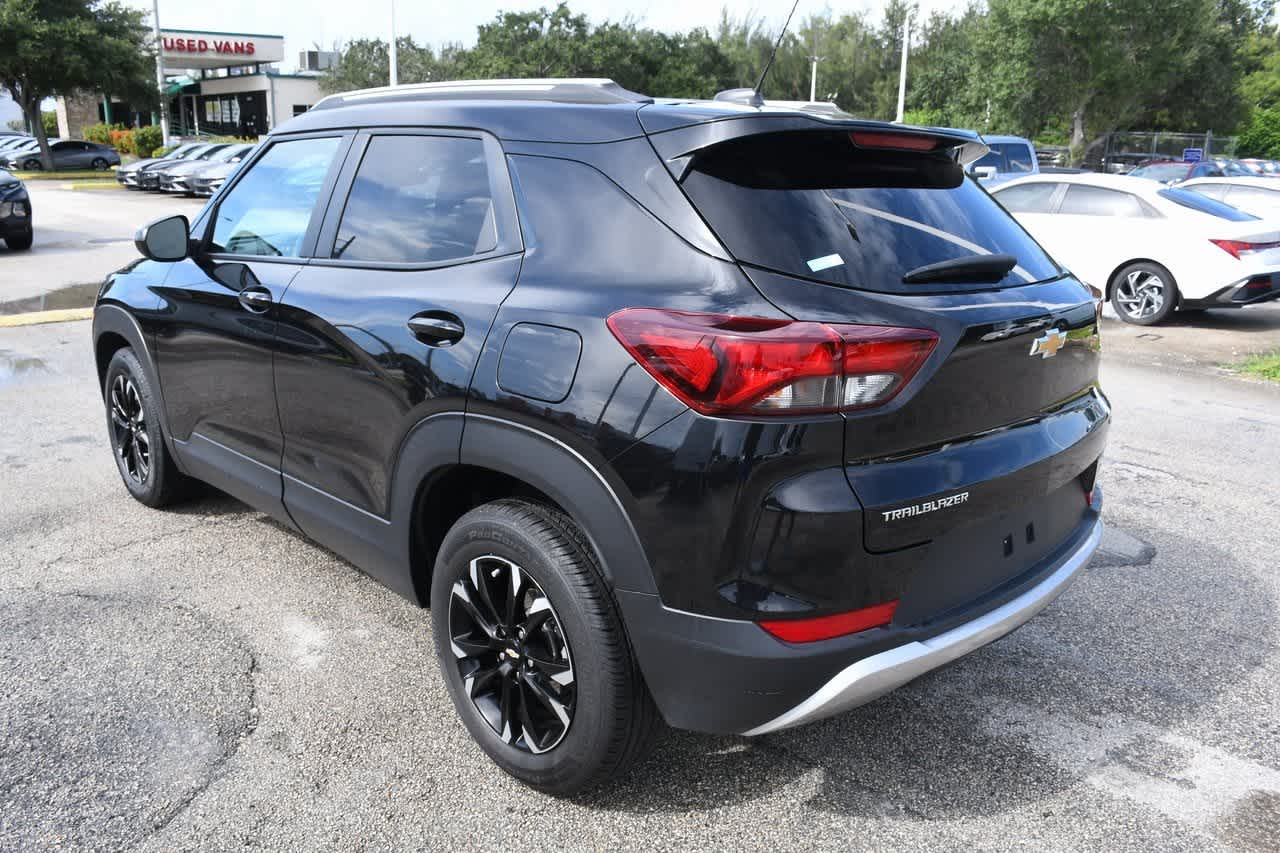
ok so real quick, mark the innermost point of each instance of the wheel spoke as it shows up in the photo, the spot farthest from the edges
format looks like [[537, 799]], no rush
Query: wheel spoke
[[547, 699], [466, 647], [463, 596], [504, 709], [484, 596]]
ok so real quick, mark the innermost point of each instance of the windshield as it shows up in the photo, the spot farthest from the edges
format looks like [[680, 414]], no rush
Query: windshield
[[812, 204], [1204, 204], [1162, 171]]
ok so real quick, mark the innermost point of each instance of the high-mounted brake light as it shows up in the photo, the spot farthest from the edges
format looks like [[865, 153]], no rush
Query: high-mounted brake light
[[828, 627], [1236, 248], [899, 141], [723, 365]]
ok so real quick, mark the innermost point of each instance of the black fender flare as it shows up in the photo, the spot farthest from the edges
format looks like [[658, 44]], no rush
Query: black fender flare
[[581, 489], [116, 320]]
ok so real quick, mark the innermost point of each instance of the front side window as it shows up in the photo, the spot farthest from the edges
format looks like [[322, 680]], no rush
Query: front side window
[[267, 212], [1021, 158], [418, 199], [1215, 191], [1096, 201]]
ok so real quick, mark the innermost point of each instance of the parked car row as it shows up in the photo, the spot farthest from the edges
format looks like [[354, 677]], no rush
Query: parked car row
[[1153, 249], [196, 168], [23, 152]]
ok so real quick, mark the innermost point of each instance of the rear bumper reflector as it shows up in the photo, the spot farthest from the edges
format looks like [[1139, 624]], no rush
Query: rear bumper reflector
[[875, 676]]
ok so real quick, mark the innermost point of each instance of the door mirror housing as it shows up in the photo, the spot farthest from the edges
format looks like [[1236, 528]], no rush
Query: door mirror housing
[[165, 239], [984, 173]]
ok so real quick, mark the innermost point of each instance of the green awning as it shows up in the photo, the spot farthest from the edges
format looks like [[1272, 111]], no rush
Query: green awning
[[177, 84]]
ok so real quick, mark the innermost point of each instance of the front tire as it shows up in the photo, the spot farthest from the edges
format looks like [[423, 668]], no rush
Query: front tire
[[32, 166], [1144, 293], [133, 425], [533, 649], [99, 164], [20, 242]]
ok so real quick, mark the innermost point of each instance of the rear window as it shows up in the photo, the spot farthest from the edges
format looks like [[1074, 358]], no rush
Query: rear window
[[812, 204], [1204, 204], [1162, 171]]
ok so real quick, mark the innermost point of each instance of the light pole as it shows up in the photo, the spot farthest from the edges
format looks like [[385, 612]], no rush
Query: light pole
[[164, 106], [902, 74], [395, 76], [813, 70]]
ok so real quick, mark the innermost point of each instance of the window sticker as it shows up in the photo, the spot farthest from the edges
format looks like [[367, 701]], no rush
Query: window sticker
[[825, 263]]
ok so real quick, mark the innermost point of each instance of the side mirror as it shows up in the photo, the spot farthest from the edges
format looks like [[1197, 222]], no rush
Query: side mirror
[[164, 240], [984, 173]]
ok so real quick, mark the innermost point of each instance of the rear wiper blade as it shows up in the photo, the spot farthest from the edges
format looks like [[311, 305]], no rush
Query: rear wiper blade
[[971, 268]]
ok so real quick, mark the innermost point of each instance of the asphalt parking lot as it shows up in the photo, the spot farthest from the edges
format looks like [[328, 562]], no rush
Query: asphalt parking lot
[[203, 678]]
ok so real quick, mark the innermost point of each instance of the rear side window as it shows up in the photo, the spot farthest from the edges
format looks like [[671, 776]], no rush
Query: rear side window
[[1247, 197], [1084, 200], [1203, 204], [1214, 191], [267, 212], [812, 204], [418, 199], [1029, 198]]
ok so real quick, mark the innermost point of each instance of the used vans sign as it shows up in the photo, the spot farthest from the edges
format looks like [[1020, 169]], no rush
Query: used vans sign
[[184, 49]]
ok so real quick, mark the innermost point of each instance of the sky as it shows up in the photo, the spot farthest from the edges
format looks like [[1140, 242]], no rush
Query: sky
[[304, 23]]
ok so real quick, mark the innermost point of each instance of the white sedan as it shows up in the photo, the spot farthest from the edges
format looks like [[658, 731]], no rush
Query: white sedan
[[1150, 248], [1259, 196]]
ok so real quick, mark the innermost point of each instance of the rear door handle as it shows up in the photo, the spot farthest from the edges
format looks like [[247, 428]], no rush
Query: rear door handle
[[255, 299], [437, 330]]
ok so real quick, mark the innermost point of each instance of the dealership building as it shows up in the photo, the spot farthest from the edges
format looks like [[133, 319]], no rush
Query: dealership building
[[216, 83]]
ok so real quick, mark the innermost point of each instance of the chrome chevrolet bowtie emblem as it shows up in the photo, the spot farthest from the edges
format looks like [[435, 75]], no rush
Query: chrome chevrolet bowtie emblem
[[1048, 344]]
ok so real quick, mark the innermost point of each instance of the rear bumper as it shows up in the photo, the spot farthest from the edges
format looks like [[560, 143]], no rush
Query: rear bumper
[[730, 677], [1247, 291], [875, 676]]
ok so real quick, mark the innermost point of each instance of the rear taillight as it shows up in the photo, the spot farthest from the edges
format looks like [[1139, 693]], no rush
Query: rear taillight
[[719, 364], [829, 627], [1236, 248], [1098, 300]]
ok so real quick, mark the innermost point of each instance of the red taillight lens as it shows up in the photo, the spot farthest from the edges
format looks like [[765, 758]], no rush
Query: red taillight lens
[[1236, 248], [899, 141], [827, 627], [718, 364]]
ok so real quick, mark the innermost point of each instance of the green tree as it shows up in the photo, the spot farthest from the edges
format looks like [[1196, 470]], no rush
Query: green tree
[[365, 64], [59, 47], [1262, 136], [1097, 67]]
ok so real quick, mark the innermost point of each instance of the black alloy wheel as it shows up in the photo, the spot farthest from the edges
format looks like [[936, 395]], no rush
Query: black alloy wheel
[[134, 429], [32, 166], [99, 164], [512, 654], [129, 429]]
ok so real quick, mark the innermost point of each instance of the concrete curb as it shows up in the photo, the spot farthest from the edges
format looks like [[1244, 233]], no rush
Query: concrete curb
[[33, 318]]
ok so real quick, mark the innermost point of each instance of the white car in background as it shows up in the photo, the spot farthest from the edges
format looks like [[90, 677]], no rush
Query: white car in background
[[1150, 248], [1259, 196]]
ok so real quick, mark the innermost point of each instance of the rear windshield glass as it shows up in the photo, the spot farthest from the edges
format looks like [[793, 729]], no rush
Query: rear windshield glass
[[1204, 204], [1162, 171], [812, 204]]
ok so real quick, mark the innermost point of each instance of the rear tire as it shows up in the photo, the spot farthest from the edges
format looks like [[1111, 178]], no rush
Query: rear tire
[[1144, 293], [555, 655], [20, 242], [99, 164], [32, 166], [137, 443]]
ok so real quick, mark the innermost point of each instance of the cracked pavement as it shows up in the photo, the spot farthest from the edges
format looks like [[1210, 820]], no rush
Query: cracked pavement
[[202, 678]]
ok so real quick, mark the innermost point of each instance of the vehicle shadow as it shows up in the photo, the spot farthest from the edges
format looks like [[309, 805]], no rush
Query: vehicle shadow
[[1093, 681]]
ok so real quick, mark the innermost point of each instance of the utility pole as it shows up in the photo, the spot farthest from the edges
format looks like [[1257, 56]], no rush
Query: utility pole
[[395, 76], [813, 70], [902, 74], [164, 105]]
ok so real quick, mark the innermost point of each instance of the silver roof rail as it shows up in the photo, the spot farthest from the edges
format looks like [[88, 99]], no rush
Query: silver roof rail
[[562, 89]]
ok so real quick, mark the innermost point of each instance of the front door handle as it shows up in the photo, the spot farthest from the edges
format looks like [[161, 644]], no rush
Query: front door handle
[[255, 299], [437, 330]]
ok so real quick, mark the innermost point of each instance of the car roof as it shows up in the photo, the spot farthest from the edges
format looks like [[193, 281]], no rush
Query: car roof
[[1243, 180], [551, 110], [1138, 186]]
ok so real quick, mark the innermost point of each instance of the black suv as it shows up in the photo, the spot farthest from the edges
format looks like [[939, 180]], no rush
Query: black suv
[[731, 416]]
